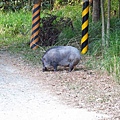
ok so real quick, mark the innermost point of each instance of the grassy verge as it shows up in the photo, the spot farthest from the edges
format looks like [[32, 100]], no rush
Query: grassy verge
[[15, 34], [107, 60]]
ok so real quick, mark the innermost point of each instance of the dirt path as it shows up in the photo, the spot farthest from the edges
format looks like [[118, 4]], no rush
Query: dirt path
[[26, 93]]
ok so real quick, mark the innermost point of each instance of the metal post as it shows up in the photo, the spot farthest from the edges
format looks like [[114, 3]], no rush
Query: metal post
[[35, 24], [85, 16]]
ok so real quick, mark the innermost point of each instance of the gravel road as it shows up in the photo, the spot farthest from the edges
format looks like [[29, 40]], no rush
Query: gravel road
[[23, 97]]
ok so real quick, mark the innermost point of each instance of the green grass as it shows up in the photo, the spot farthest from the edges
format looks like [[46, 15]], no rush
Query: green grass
[[112, 55], [109, 58], [15, 22], [15, 34]]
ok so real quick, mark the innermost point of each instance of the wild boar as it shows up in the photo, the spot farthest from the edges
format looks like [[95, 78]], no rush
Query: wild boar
[[66, 56]]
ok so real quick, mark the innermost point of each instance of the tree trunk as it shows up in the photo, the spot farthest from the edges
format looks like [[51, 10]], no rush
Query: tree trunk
[[108, 21], [119, 8], [96, 11], [29, 3], [103, 23]]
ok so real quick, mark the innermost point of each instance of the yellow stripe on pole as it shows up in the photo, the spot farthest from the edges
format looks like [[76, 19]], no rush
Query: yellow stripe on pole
[[85, 11], [35, 26], [85, 22], [84, 38], [84, 49]]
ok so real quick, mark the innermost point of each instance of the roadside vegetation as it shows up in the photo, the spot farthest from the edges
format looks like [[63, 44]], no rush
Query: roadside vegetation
[[15, 31]]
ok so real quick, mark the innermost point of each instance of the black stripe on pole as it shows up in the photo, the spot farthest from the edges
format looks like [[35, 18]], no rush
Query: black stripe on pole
[[35, 37], [34, 24], [85, 18], [34, 45], [84, 44], [84, 31], [35, 16]]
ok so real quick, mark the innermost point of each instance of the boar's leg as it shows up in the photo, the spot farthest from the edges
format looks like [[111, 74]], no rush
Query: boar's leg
[[44, 69], [71, 67], [73, 64], [54, 64]]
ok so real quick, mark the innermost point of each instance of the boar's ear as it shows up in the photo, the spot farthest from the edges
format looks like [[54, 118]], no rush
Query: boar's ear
[[42, 59]]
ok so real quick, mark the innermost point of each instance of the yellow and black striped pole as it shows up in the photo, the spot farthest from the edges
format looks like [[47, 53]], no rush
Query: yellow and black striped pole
[[35, 24], [85, 16]]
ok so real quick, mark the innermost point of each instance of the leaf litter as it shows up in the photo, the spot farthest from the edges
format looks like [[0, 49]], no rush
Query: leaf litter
[[81, 88]]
